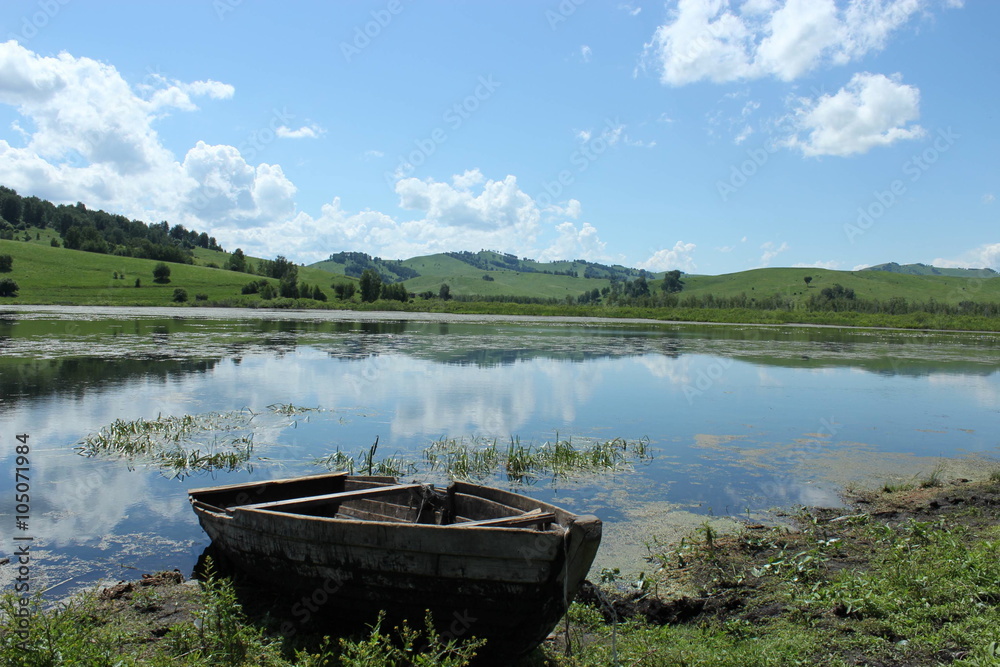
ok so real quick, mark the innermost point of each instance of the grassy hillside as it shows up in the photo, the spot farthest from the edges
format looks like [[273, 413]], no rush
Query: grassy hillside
[[928, 270], [880, 285], [47, 275], [512, 276]]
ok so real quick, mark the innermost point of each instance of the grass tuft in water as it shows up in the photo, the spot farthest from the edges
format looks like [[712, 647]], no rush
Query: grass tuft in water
[[181, 445], [477, 459]]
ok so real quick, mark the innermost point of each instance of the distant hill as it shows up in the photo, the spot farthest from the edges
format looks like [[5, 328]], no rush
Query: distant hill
[[487, 273], [928, 270], [353, 263]]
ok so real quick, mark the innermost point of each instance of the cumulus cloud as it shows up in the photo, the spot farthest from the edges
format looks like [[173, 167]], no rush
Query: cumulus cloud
[[585, 53], [576, 243], [670, 259], [304, 132], [871, 110], [986, 256], [93, 140], [727, 40], [86, 134]]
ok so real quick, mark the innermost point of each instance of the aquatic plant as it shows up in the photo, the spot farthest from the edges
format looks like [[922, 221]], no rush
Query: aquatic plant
[[179, 444], [477, 459]]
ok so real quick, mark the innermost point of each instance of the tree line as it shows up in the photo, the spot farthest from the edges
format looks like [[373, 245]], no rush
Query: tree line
[[100, 232]]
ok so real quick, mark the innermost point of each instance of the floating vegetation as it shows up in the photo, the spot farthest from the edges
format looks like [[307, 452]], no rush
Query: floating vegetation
[[289, 409], [480, 458], [182, 444], [365, 463]]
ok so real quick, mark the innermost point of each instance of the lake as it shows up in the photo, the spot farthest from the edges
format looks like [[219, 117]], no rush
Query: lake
[[737, 420]]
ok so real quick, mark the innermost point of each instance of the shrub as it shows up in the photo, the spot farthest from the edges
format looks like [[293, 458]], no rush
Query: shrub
[[6, 263], [161, 273], [180, 295], [201, 297], [8, 287]]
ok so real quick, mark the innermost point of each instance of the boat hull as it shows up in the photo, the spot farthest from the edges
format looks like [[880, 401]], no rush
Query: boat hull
[[508, 585]]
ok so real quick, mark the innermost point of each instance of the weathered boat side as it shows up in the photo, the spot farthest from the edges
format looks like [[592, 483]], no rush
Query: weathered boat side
[[507, 584]]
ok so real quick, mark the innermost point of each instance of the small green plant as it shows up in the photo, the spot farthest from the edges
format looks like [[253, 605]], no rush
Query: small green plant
[[220, 634], [409, 647], [935, 478]]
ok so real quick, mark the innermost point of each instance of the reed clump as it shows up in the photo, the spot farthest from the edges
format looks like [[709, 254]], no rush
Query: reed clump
[[178, 444]]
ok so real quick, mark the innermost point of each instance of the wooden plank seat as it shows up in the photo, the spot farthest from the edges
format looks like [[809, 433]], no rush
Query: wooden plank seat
[[326, 498], [527, 519]]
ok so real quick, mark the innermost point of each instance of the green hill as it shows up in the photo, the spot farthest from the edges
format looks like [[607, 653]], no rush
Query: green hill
[[47, 275], [486, 273], [881, 285], [928, 270]]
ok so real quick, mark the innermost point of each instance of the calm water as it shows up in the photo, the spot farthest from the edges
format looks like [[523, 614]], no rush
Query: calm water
[[739, 419]]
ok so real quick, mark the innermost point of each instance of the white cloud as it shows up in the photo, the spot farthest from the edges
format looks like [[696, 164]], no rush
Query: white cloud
[[574, 243], [304, 132], [468, 179], [85, 134], [373, 155], [989, 198], [986, 256], [670, 259], [833, 265], [586, 53], [721, 41], [93, 140], [770, 252], [871, 110]]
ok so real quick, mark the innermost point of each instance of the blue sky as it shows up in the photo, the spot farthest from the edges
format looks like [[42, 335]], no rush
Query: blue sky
[[709, 136]]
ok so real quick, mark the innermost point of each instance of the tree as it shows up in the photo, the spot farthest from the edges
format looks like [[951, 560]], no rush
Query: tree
[[808, 280], [267, 291], [8, 287], [138, 283], [161, 273], [371, 285], [6, 263], [445, 292], [318, 294], [237, 262], [672, 282], [344, 291], [180, 295], [288, 287]]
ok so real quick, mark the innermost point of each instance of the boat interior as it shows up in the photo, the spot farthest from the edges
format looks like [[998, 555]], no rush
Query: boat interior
[[378, 499]]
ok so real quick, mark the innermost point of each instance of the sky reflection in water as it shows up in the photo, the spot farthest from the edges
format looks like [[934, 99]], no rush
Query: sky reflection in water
[[740, 418]]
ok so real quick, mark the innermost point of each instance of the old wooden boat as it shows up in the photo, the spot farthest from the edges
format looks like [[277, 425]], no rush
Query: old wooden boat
[[486, 562]]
